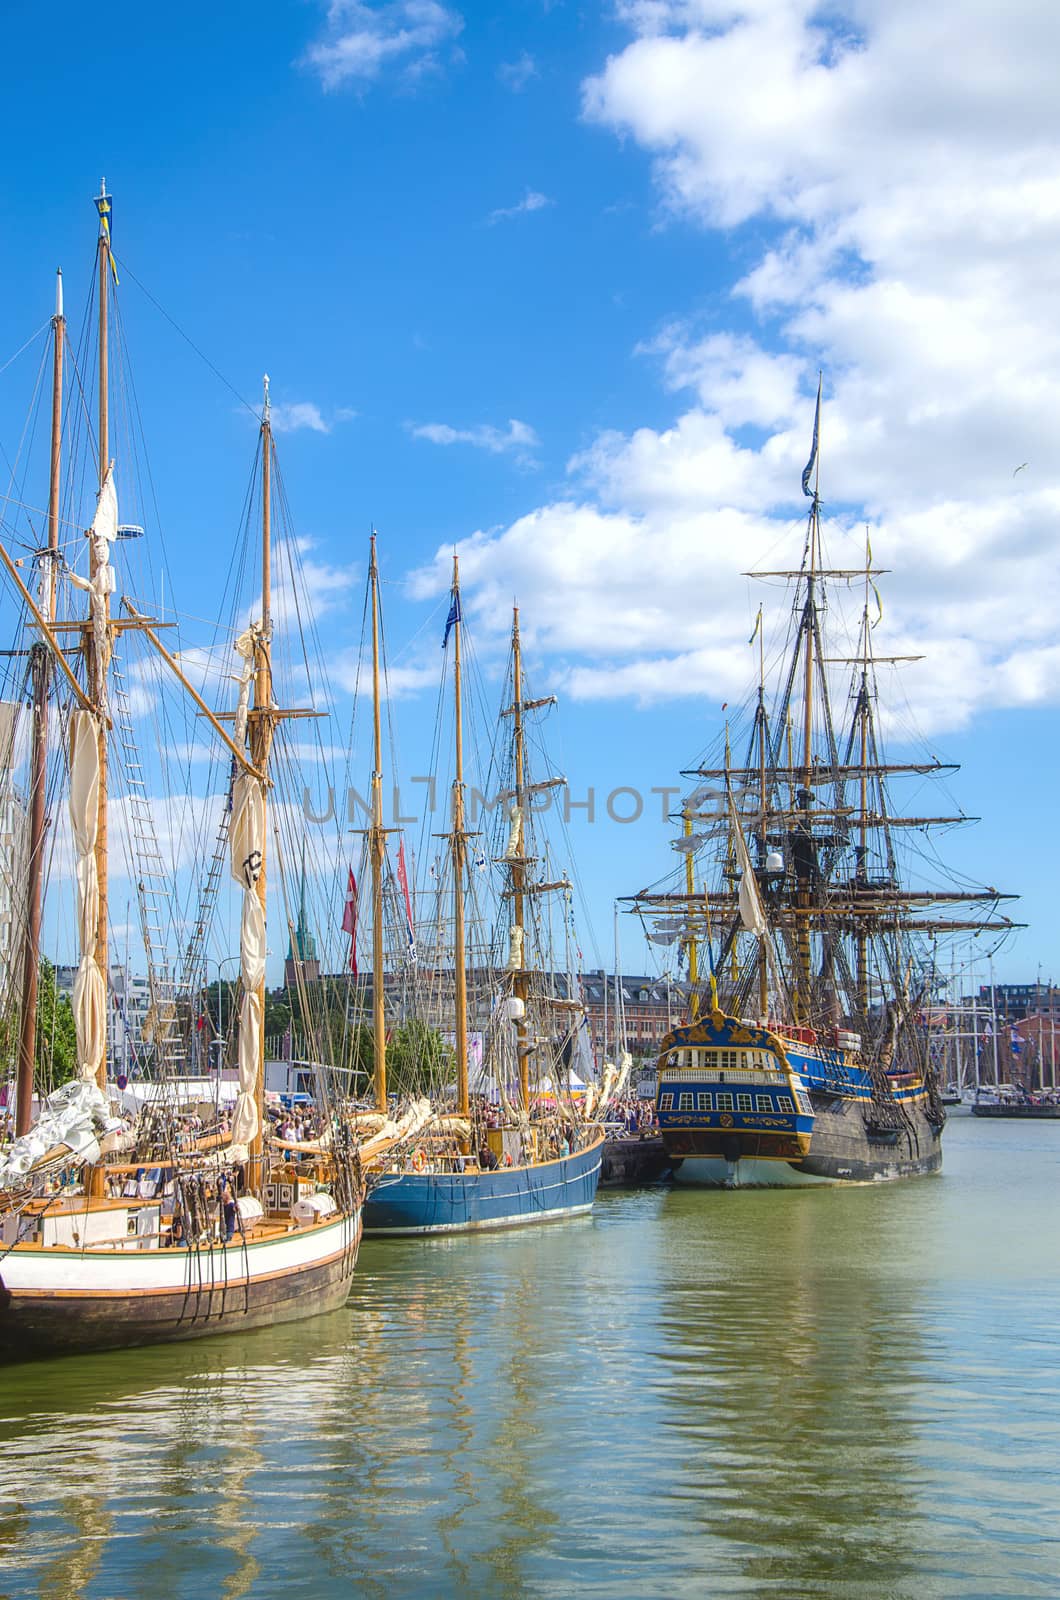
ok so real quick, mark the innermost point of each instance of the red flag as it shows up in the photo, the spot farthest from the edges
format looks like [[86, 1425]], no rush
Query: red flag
[[349, 920], [403, 880]]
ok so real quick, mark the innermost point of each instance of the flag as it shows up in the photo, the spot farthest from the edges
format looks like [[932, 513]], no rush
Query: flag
[[754, 636], [808, 469], [1017, 1041], [454, 616], [349, 920], [403, 880], [105, 207]]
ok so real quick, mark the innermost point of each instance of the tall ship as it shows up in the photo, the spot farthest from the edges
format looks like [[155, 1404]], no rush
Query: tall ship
[[500, 1139], [811, 917], [117, 1228]]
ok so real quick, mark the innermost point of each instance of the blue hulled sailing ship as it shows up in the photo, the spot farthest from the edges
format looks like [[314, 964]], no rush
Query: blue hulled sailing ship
[[805, 1057], [508, 1143]]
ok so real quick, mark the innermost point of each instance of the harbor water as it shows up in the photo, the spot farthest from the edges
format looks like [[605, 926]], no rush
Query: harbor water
[[826, 1392]]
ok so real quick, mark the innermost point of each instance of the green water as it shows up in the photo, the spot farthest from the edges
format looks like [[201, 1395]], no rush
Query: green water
[[809, 1393]]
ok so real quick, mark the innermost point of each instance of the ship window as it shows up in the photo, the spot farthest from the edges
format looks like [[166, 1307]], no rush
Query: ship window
[[686, 1102], [785, 1103], [804, 1104], [703, 1102], [666, 1102], [724, 1102], [763, 1102], [744, 1102]]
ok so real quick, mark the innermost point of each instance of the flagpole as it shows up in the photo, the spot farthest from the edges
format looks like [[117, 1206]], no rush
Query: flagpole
[[377, 847]]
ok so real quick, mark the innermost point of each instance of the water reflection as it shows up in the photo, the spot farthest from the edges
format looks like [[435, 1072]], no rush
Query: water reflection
[[838, 1394]]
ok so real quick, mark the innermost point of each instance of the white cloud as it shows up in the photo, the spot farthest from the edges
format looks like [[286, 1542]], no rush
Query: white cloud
[[906, 225], [518, 438], [292, 416], [531, 201], [362, 40], [515, 75]]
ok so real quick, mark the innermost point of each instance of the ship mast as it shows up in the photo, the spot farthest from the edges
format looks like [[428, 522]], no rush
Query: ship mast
[[520, 984], [40, 675], [458, 852], [98, 670], [261, 723], [377, 846]]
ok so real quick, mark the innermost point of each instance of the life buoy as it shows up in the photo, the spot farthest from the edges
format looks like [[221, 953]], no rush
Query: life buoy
[[419, 1161]]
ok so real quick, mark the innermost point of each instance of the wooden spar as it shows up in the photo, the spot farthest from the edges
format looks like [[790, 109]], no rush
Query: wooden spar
[[377, 846], [803, 925], [520, 986], [40, 669], [261, 724], [100, 667], [458, 850]]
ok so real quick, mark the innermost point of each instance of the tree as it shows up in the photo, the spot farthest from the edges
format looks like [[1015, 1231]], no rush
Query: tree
[[56, 1053]]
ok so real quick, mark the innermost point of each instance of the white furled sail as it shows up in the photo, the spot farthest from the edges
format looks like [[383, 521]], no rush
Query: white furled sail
[[247, 845], [752, 912], [90, 990], [101, 536]]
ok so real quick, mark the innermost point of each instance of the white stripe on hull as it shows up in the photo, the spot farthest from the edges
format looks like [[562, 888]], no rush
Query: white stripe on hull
[[487, 1223], [27, 1270]]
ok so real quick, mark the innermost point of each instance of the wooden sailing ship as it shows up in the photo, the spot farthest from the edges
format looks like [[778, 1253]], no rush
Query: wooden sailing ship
[[516, 1150], [805, 1057], [88, 1259]]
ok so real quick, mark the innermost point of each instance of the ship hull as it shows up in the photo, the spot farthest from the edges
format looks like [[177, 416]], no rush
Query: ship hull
[[1017, 1112], [59, 1302], [413, 1203], [841, 1150]]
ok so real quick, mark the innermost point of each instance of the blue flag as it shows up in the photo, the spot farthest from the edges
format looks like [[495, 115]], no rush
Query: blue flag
[[454, 616], [808, 471]]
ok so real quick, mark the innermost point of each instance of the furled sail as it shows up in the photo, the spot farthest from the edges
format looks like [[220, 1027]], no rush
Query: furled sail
[[90, 990], [247, 844]]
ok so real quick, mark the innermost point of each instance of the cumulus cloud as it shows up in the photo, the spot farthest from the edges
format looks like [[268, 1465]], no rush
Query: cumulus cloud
[[531, 201], [905, 223], [296, 415], [361, 40]]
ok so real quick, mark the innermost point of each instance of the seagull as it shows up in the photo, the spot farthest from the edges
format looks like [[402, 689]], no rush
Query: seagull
[[1021, 467]]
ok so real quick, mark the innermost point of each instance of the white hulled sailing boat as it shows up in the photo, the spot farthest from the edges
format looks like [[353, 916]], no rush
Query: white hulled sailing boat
[[88, 1259]]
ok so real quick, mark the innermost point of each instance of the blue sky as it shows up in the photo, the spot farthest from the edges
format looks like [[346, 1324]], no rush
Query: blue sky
[[552, 283]]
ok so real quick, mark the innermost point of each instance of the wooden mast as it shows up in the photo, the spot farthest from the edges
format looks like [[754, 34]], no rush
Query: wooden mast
[[458, 851], [105, 271], [40, 673], [377, 846], [520, 985], [693, 948], [261, 727], [763, 961]]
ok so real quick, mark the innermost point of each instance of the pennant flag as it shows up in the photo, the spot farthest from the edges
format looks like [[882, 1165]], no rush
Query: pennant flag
[[808, 470], [105, 207], [403, 880], [758, 628], [349, 920], [453, 617]]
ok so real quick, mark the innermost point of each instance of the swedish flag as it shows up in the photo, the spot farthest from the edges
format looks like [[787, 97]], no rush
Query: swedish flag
[[104, 205]]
